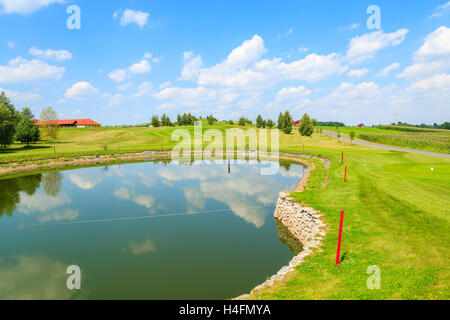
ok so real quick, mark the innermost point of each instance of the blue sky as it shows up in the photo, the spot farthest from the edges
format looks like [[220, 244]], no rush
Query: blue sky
[[132, 59]]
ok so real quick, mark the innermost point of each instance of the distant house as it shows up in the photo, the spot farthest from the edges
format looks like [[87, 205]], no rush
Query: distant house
[[72, 123], [296, 123]]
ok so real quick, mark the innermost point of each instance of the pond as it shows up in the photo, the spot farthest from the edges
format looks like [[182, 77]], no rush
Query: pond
[[154, 230]]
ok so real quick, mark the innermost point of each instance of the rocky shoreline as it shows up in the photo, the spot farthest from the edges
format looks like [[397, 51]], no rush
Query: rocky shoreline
[[303, 224]]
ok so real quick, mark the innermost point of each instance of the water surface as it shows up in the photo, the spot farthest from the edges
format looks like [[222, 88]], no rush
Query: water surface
[[156, 230]]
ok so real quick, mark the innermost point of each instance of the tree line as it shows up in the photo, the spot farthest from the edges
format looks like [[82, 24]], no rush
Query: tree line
[[284, 122], [445, 125], [17, 125]]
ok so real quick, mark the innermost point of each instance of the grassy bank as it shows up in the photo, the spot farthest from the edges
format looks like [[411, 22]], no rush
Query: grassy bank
[[396, 217], [397, 213]]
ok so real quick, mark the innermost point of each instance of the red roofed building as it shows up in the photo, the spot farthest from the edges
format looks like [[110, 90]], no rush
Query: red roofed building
[[296, 123], [72, 123]]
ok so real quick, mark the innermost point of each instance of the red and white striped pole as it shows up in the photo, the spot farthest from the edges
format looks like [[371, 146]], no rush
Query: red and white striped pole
[[338, 254], [342, 160]]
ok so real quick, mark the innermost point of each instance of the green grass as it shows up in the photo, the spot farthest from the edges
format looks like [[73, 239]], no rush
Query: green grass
[[396, 212], [406, 137], [396, 217]]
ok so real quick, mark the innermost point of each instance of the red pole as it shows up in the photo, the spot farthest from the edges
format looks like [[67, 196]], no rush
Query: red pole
[[338, 254], [345, 177]]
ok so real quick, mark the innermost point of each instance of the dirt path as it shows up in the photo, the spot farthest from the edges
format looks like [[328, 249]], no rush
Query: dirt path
[[382, 146]]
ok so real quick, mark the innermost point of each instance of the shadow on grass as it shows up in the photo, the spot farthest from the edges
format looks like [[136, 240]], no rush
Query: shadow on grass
[[24, 148], [343, 257]]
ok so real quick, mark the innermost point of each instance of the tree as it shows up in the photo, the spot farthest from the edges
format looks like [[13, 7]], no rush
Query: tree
[[287, 123], [27, 131], [179, 120], [9, 117], [231, 122], [165, 121], [242, 121], [259, 121], [155, 121], [26, 112], [314, 122], [51, 181], [306, 128], [270, 124], [352, 136], [211, 120], [280, 121], [48, 117]]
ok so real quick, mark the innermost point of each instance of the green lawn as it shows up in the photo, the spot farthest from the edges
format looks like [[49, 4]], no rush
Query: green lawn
[[420, 139], [396, 212], [396, 217]]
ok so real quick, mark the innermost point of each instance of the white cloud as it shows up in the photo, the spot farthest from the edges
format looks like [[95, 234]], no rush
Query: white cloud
[[242, 79], [132, 16], [10, 44], [138, 248], [24, 277], [437, 45], [120, 75], [432, 57], [353, 96], [21, 97], [66, 215], [41, 202], [384, 72], [292, 93], [58, 55], [192, 66], [116, 100], [244, 69], [165, 84], [25, 7], [441, 10], [145, 88], [124, 87], [366, 46], [350, 27], [85, 180], [439, 82], [122, 194], [81, 91], [22, 70], [286, 34], [144, 200], [141, 67], [358, 73], [149, 56]]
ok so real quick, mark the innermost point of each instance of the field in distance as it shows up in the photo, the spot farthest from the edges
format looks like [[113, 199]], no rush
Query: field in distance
[[433, 140]]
